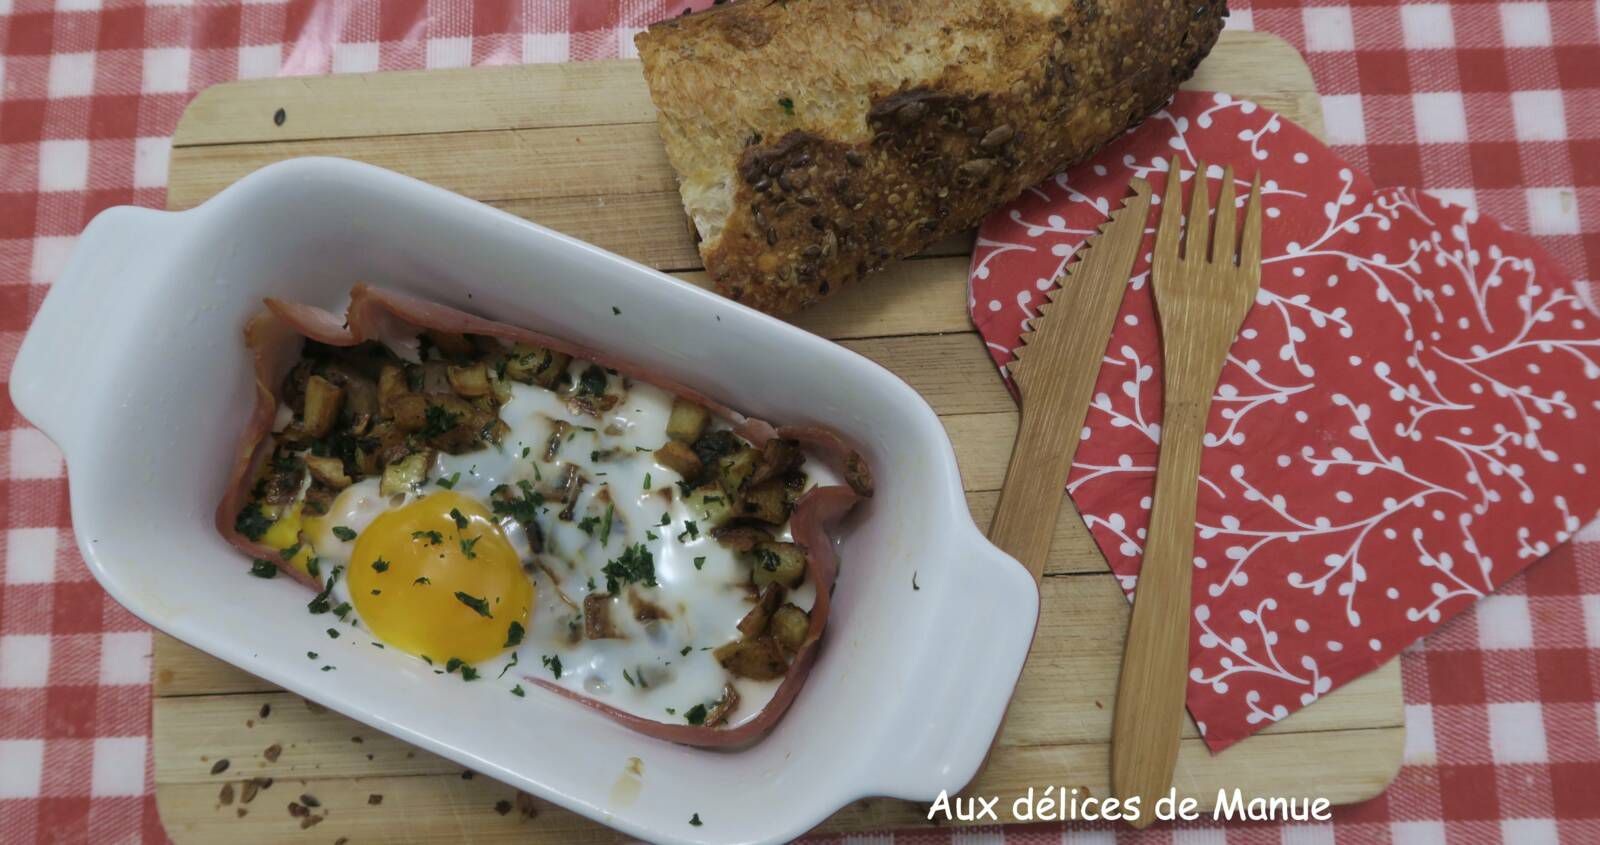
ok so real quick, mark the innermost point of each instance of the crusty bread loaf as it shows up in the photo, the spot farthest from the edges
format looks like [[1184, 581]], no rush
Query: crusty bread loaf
[[814, 140]]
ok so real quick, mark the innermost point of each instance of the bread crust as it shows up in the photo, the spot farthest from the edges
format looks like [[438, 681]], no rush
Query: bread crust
[[815, 140]]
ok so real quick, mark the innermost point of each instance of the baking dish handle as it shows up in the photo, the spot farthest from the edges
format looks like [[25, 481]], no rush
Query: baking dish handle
[[87, 305], [945, 735]]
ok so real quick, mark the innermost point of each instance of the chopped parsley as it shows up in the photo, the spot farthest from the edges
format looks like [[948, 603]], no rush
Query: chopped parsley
[[289, 553], [518, 691], [453, 664], [554, 665], [605, 524], [647, 481], [468, 673], [588, 524], [481, 606], [311, 655], [343, 533], [466, 547], [514, 635], [380, 565], [522, 510], [342, 610], [434, 538], [526, 450], [695, 820], [629, 678], [438, 421], [461, 521], [263, 568], [449, 483], [634, 565], [422, 582], [684, 651], [651, 536], [328, 668], [506, 668], [333, 633], [787, 104], [690, 530], [251, 522], [700, 563], [615, 310], [665, 520], [696, 715], [320, 603], [314, 567]]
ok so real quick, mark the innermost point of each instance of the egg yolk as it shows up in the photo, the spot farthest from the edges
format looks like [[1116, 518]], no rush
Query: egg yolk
[[438, 578]]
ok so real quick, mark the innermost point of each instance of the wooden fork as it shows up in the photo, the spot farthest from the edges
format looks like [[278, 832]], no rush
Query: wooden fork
[[1201, 299]]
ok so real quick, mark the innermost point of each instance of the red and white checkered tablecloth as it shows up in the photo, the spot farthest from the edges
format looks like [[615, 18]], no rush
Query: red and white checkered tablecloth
[[1492, 104]]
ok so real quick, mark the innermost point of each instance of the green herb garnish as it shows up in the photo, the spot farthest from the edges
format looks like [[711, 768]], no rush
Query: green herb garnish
[[263, 568], [481, 606], [434, 538], [514, 635], [343, 533], [554, 664], [438, 421], [634, 565], [786, 104], [518, 691], [461, 521], [700, 563], [380, 565], [449, 483], [423, 581], [251, 522], [696, 715], [466, 547]]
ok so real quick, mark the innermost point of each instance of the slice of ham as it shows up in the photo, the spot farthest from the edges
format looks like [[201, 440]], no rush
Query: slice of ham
[[274, 338]]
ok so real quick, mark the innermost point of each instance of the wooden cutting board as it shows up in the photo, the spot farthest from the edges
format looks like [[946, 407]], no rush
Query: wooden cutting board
[[574, 147]]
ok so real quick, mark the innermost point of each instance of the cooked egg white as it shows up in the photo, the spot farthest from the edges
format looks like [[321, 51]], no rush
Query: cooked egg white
[[661, 665]]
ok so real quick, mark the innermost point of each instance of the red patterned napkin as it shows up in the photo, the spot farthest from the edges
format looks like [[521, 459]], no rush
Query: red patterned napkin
[[1408, 419]]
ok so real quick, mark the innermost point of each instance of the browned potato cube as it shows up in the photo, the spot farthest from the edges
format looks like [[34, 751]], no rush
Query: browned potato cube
[[767, 502], [404, 475], [782, 563], [687, 421], [754, 623], [790, 626], [410, 411], [679, 458], [778, 456], [758, 659], [328, 470], [735, 469], [469, 381], [391, 386], [741, 538], [709, 505], [323, 398], [531, 364]]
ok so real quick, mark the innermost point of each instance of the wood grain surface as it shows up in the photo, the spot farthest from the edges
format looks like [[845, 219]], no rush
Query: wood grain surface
[[574, 147]]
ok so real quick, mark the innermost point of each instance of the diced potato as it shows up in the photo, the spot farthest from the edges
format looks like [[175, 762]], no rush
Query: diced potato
[[403, 475], [410, 411], [778, 456], [687, 421], [735, 469], [754, 623], [531, 364], [782, 563], [323, 398], [391, 386], [742, 538], [469, 381], [790, 626], [679, 458], [759, 659], [328, 470], [451, 344], [709, 505], [767, 502]]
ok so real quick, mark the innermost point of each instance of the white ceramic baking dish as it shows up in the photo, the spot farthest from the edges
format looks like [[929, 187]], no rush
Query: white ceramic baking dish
[[135, 367]]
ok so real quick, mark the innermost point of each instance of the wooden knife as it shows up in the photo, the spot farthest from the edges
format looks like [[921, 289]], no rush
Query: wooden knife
[[1055, 373]]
